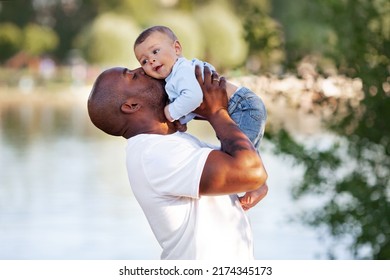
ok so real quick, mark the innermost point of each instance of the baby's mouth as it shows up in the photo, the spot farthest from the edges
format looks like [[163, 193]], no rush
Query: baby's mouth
[[157, 68]]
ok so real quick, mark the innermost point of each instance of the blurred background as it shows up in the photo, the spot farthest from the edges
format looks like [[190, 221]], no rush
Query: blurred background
[[321, 67]]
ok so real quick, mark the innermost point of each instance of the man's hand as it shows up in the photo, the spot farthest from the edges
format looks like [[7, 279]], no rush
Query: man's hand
[[215, 87]]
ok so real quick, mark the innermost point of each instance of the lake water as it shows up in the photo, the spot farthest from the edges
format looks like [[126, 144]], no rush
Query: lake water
[[64, 192]]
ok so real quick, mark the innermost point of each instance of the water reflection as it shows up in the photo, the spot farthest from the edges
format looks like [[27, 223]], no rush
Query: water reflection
[[64, 192]]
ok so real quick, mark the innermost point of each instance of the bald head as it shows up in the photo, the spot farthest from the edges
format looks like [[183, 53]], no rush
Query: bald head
[[122, 100]]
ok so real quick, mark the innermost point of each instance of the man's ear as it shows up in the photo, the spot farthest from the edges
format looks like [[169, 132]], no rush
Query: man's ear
[[130, 107]]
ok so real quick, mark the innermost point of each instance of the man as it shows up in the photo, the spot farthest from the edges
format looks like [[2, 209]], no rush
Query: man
[[186, 189]]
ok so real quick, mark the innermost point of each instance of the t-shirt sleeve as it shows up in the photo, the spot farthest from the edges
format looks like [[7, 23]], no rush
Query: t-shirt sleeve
[[174, 168]]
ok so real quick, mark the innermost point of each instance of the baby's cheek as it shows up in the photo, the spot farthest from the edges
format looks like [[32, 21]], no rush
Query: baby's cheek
[[151, 73]]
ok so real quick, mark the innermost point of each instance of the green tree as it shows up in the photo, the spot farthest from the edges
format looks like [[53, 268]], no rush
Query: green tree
[[366, 54], [10, 40], [68, 21], [140, 11], [263, 34], [38, 40], [193, 43], [358, 204], [223, 34], [109, 40], [19, 13]]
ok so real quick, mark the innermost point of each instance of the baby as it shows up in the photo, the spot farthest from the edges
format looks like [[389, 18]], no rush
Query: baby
[[160, 55]]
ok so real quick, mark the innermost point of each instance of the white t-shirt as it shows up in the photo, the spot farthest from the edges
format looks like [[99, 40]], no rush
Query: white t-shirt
[[164, 173]]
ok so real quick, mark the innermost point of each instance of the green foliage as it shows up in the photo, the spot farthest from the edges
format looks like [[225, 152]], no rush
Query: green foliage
[[190, 5], [358, 200], [307, 29], [38, 39], [10, 40], [109, 41], [192, 42], [319, 165], [140, 11], [70, 19], [263, 34], [224, 36], [19, 13], [33, 39]]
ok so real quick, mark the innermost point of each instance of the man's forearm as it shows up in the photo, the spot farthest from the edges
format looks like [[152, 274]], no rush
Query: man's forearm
[[238, 167], [232, 139]]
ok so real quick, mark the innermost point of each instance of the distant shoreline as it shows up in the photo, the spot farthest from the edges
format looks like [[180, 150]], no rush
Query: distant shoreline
[[292, 103]]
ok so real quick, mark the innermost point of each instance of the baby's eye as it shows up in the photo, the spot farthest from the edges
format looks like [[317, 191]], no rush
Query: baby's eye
[[143, 62], [156, 51]]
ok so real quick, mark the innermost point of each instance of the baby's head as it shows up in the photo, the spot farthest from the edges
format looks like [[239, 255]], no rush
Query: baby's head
[[157, 50]]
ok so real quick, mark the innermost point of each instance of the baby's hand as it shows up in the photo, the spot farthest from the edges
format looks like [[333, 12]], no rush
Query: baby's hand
[[180, 127]]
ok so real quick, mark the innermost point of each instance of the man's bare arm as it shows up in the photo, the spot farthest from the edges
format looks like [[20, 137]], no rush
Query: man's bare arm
[[238, 167]]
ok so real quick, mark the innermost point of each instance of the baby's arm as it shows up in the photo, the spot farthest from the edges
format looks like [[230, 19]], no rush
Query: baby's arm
[[179, 126], [187, 92]]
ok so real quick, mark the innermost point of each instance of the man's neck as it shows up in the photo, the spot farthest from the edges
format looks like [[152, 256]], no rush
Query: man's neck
[[161, 129]]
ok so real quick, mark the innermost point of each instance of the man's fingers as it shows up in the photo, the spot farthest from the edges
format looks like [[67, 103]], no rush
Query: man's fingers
[[207, 75], [215, 77], [198, 74], [222, 82]]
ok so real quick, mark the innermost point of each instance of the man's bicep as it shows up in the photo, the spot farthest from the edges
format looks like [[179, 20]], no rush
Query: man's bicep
[[225, 174], [222, 175]]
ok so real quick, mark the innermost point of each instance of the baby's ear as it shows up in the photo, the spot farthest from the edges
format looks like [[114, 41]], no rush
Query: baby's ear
[[177, 47], [130, 107]]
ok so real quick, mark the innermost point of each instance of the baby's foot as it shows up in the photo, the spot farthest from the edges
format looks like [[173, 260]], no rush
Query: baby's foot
[[250, 199]]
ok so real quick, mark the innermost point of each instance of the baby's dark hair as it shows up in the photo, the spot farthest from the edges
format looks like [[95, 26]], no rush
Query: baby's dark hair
[[157, 28]]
